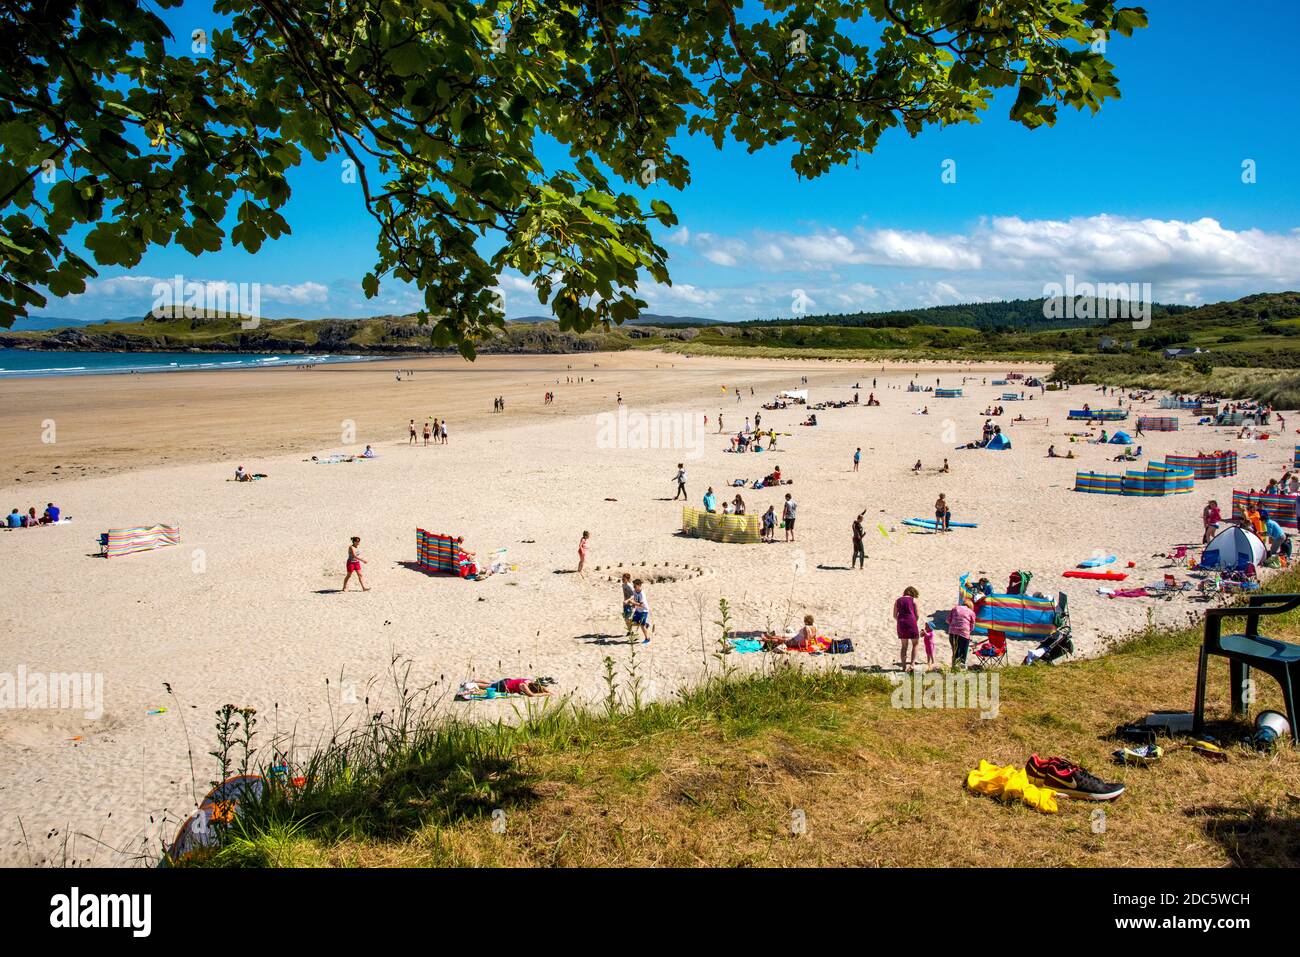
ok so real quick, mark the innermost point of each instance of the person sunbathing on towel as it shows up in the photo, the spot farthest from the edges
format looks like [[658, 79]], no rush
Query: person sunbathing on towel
[[805, 637], [528, 687]]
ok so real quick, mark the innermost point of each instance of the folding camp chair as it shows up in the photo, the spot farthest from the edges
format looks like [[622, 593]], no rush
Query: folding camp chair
[[1018, 583], [991, 652]]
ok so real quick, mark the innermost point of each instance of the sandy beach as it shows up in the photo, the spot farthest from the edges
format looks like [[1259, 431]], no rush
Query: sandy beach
[[247, 611]]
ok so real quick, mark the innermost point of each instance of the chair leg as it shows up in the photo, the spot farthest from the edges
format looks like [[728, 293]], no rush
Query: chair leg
[[1198, 712], [1240, 672], [1288, 676]]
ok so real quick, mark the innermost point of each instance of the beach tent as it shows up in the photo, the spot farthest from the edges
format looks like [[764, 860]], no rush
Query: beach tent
[[1232, 550], [999, 443], [1121, 438], [218, 809]]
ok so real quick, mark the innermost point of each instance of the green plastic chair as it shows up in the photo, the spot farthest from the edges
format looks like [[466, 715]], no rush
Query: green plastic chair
[[1250, 649]]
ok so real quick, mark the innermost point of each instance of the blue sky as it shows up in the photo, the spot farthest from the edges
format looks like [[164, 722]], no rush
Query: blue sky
[[1149, 190]]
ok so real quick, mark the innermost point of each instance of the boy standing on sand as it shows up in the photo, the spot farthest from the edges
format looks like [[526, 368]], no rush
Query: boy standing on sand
[[628, 592], [355, 561], [641, 610], [787, 514], [857, 457]]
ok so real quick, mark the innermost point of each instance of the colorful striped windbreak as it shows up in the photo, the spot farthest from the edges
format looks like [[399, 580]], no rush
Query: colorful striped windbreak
[[1295, 461], [1216, 465], [998, 382], [1157, 423], [1099, 483], [1280, 508], [1101, 415], [1010, 396], [143, 538], [1169, 402], [1159, 479], [1016, 616], [439, 553], [717, 527], [947, 393]]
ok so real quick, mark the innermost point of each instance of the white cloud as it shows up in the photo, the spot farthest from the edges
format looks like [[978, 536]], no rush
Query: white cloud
[[299, 293]]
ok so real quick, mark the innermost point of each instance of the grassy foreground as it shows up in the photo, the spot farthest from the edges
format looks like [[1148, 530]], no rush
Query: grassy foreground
[[796, 767]]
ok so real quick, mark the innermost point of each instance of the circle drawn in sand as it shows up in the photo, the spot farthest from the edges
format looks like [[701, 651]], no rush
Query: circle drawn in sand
[[654, 573]]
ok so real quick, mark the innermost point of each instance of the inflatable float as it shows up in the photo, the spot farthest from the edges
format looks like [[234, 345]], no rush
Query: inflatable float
[[1098, 576]]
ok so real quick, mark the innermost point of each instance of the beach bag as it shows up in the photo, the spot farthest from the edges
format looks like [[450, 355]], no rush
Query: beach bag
[[841, 646]]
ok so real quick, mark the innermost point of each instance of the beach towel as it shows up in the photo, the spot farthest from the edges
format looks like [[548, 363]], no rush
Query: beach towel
[[1124, 593]]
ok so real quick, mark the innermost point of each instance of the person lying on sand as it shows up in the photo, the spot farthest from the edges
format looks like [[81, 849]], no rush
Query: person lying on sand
[[805, 637], [528, 687]]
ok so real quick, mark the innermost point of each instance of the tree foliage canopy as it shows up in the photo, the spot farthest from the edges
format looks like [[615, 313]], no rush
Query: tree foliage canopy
[[111, 124]]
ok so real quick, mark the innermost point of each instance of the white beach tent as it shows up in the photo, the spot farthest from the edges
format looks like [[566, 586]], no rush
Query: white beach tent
[[1233, 548], [801, 394]]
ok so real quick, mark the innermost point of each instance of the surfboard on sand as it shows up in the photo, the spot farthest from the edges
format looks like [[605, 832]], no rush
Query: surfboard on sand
[[933, 525]]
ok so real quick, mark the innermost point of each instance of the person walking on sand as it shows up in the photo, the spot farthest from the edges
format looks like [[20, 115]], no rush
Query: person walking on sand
[[787, 516], [641, 610], [859, 552], [355, 561], [411, 441], [857, 457], [443, 431], [680, 478], [582, 551], [906, 623], [428, 432]]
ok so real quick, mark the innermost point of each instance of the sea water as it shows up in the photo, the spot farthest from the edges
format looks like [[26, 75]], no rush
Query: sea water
[[29, 363]]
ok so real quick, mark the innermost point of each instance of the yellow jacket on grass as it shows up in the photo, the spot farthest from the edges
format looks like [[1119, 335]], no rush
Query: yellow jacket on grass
[[1010, 783]]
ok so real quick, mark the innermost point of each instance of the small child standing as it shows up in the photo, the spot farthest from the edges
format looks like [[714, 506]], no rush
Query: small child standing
[[927, 637], [628, 592], [641, 610]]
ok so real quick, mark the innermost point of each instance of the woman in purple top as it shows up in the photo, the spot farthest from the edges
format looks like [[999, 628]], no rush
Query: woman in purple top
[[906, 618]]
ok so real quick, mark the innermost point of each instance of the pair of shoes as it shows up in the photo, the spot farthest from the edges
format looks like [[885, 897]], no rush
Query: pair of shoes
[[1070, 779]]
